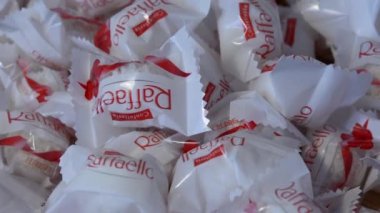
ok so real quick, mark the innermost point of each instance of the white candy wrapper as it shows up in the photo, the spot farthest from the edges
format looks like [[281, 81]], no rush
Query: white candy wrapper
[[340, 200], [136, 144], [32, 144], [249, 34], [341, 22], [8, 6], [20, 195], [334, 157], [285, 188], [216, 85], [40, 34], [26, 86], [230, 115], [88, 8], [59, 105], [145, 25], [211, 176], [299, 37], [108, 182], [165, 90], [307, 91]]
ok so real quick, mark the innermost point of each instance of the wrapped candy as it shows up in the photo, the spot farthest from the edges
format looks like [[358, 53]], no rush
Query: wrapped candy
[[145, 25], [124, 94], [39, 33], [334, 157], [28, 85], [32, 144], [110, 182], [156, 143], [229, 116], [215, 176], [249, 34], [354, 44], [307, 91], [299, 37]]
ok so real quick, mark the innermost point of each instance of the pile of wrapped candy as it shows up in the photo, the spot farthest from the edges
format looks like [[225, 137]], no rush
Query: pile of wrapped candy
[[187, 106]]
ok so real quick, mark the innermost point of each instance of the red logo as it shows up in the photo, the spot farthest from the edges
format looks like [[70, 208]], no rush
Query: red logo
[[360, 137], [249, 31], [209, 90], [137, 116], [218, 151], [290, 31], [148, 23], [369, 48]]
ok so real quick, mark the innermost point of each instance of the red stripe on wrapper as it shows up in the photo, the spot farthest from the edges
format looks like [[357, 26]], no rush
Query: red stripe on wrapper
[[290, 31], [167, 65], [137, 116], [148, 23], [249, 31], [213, 154]]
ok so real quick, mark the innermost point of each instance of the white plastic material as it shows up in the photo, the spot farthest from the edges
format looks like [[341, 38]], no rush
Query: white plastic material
[[249, 34], [31, 145], [7, 6], [136, 144], [163, 91], [217, 174], [88, 8], [299, 37], [40, 34], [341, 22], [108, 182], [231, 113], [27, 85], [20, 195], [307, 91], [341, 200], [325, 157], [145, 25]]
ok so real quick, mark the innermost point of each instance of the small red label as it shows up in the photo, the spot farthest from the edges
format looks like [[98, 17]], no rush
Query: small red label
[[148, 23], [137, 116], [249, 31], [209, 90], [218, 151], [290, 31]]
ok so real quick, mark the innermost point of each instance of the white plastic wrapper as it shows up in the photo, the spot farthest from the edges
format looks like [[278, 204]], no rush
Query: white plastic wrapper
[[334, 157], [230, 115], [156, 143], [159, 91], [145, 25], [8, 6], [39, 32], [249, 34], [307, 91], [31, 145], [108, 182], [20, 195], [216, 85], [208, 31], [28, 85], [355, 45], [59, 105], [217, 176], [88, 8], [299, 37], [341, 22], [341, 200]]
